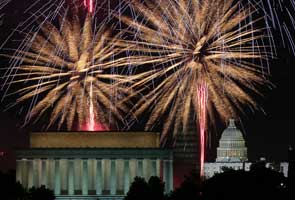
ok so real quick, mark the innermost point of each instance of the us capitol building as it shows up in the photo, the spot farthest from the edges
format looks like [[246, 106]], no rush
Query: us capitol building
[[232, 153]]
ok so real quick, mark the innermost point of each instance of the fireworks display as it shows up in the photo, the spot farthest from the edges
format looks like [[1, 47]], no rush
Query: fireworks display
[[193, 48], [70, 69], [198, 49], [180, 58]]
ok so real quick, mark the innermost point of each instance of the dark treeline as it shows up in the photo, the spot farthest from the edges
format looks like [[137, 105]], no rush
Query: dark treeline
[[258, 183], [11, 190]]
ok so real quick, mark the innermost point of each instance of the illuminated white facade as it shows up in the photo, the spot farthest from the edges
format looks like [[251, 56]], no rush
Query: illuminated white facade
[[232, 154], [91, 173]]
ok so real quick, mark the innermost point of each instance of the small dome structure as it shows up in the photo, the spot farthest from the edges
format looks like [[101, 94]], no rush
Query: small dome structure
[[232, 146]]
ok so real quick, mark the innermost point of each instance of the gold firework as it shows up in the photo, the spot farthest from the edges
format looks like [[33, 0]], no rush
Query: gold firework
[[68, 68], [189, 43]]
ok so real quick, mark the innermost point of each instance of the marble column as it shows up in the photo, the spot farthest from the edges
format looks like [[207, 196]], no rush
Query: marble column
[[50, 173], [99, 178], [158, 168], [120, 175], [85, 178], [31, 173], [64, 174], [57, 188], [133, 169], [146, 169], [78, 166], [106, 174], [126, 176], [139, 171], [19, 171], [43, 172], [153, 167], [39, 171], [35, 173], [71, 189], [168, 175], [113, 181], [91, 175], [25, 171]]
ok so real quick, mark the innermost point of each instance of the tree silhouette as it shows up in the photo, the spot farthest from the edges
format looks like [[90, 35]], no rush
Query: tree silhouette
[[190, 189], [259, 183], [142, 190], [139, 189], [156, 188], [41, 193]]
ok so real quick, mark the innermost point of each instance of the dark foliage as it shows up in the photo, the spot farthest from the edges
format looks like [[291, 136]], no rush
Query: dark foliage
[[259, 183], [156, 188], [190, 189], [41, 193], [11, 190], [140, 189]]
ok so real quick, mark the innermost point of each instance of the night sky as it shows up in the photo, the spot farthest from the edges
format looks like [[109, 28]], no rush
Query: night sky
[[267, 134]]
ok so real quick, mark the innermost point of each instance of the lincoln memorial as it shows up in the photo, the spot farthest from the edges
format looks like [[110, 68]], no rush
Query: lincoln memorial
[[92, 165]]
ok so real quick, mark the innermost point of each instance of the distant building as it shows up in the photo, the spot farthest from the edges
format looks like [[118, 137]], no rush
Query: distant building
[[93, 165], [232, 154]]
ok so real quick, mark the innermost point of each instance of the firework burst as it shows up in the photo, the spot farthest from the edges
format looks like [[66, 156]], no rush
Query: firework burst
[[70, 69], [202, 54]]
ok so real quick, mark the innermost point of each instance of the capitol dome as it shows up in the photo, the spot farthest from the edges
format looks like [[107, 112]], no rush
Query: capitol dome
[[232, 146]]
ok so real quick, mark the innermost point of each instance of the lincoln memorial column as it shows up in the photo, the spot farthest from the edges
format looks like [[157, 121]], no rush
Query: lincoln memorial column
[[31, 173], [139, 168], [71, 189], [35, 173], [168, 175], [113, 177], [19, 171], [146, 169], [25, 171], [154, 168], [158, 167], [43, 172], [99, 179], [57, 177], [85, 177], [126, 176]]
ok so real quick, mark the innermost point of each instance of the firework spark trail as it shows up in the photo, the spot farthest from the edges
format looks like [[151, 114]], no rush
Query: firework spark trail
[[202, 94], [3, 3], [91, 124], [89, 5], [279, 19]]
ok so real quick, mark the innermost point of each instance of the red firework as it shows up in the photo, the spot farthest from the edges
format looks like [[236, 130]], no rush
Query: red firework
[[89, 5], [202, 114]]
